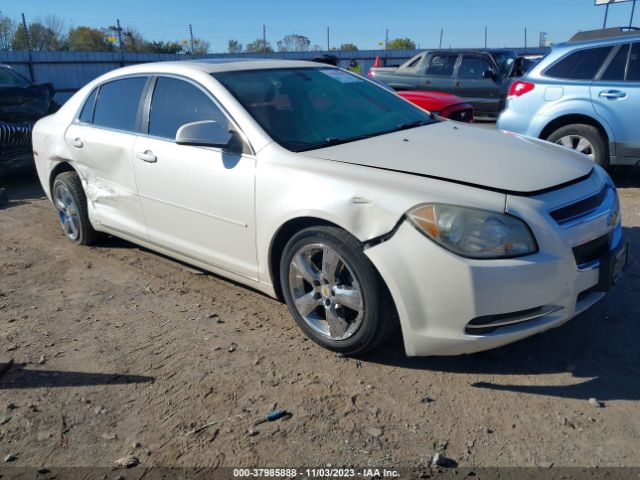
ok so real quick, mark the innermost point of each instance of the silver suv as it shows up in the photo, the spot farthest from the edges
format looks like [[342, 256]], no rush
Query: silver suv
[[584, 95]]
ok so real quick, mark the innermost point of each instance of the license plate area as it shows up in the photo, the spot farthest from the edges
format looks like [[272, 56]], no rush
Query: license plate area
[[612, 266]]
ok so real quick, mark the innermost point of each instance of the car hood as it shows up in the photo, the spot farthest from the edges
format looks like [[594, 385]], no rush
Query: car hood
[[476, 156], [20, 104]]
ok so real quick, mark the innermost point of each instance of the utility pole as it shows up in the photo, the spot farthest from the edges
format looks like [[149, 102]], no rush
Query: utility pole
[[328, 46], [264, 38], [28, 42], [386, 40], [485, 36], [525, 39], [119, 30], [633, 10], [441, 35], [191, 38]]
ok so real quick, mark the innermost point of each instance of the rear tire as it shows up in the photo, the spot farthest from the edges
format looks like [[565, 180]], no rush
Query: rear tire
[[585, 139], [71, 203], [334, 292]]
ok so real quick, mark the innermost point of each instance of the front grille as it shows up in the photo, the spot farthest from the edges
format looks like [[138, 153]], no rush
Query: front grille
[[15, 134], [579, 209], [591, 251], [464, 115]]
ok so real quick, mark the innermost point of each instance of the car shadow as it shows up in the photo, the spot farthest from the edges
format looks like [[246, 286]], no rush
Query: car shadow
[[21, 187], [599, 347], [20, 377], [626, 177]]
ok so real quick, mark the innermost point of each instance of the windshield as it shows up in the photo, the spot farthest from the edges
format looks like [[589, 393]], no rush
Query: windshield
[[308, 108], [9, 78]]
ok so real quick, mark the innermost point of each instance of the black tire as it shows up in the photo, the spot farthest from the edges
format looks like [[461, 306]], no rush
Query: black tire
[[379, 319], [86, 233], [590, 133]]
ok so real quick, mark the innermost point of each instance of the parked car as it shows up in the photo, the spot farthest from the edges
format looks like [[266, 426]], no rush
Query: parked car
[[21, 104], [319, 187], [470, 74], [584, 95], [445, 105]]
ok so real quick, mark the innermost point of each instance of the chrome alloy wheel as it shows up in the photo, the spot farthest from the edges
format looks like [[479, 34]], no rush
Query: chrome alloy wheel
[[326, 293], [67, 210], [577, 143]]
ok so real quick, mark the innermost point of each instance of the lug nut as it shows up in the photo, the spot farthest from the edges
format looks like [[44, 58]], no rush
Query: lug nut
[[316, 296], [327, 302]]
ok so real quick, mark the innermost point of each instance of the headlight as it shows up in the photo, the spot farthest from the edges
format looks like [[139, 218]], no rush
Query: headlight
[[474, 233]]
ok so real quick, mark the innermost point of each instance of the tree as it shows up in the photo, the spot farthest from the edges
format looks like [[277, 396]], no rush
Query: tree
[[41, 36], [348, 47], [87, 39], [294, 43], [259, 46], [401, 44], [7, 31], [234, 46], [164, 47], [133, 41], [200, 46]]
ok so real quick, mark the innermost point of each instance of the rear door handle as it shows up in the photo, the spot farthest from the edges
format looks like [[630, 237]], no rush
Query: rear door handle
[[147, 156], [77, 142], [613, 94]]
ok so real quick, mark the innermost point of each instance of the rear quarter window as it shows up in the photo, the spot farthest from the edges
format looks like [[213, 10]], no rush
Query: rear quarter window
[[579, 65], [117, 103]]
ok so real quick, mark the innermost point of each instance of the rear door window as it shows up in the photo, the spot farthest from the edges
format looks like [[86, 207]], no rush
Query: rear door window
[[472, 68], [117, 104], [580, 65], [86, 115], [441, 65], [633, 73], [616, 70]]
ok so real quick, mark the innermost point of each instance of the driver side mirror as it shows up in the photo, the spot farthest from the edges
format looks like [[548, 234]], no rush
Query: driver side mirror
[[489, 75], [207, 133]]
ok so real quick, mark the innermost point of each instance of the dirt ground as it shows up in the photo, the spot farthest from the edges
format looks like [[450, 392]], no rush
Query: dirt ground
[[122, 351]]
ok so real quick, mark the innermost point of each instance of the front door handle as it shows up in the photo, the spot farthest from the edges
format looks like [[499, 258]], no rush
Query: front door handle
[[613, 94], [459, 84], [147, 156], [77, 142]]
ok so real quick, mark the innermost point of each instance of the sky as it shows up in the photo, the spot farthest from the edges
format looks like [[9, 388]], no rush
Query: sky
[[362, 22]]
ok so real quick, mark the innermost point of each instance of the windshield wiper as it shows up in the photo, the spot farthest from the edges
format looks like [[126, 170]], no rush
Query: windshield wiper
[[409, 125]]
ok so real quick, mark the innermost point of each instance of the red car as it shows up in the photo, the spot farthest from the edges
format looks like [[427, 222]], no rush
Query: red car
[[444, 104]]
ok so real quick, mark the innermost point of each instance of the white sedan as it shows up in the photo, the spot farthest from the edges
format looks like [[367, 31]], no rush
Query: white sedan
[[316, 186]]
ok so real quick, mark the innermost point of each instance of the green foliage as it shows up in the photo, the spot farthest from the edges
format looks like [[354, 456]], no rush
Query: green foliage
[[294, 43], [164, 47], [87, 39], [347, 47], [401, 44], [259, 46]]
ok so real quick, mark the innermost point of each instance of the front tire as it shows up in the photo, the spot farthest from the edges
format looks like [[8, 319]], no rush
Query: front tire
[[585, 139], [71, 204], [334, 292]]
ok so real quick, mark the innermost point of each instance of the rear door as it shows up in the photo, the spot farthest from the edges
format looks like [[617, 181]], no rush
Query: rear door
[[101, 142], [483, 93], [198, 201], [408, 76], [616, 97], [438, 74]]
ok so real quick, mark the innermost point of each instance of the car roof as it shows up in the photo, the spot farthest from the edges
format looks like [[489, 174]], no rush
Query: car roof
[[216, 65], [458, 51]]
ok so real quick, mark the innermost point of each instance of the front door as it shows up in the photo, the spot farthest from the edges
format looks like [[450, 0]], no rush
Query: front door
[[483, 93], [198, 201], [615, 95]]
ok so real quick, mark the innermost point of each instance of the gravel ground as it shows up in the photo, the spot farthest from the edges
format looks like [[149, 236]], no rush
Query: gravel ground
[[122, 351]]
